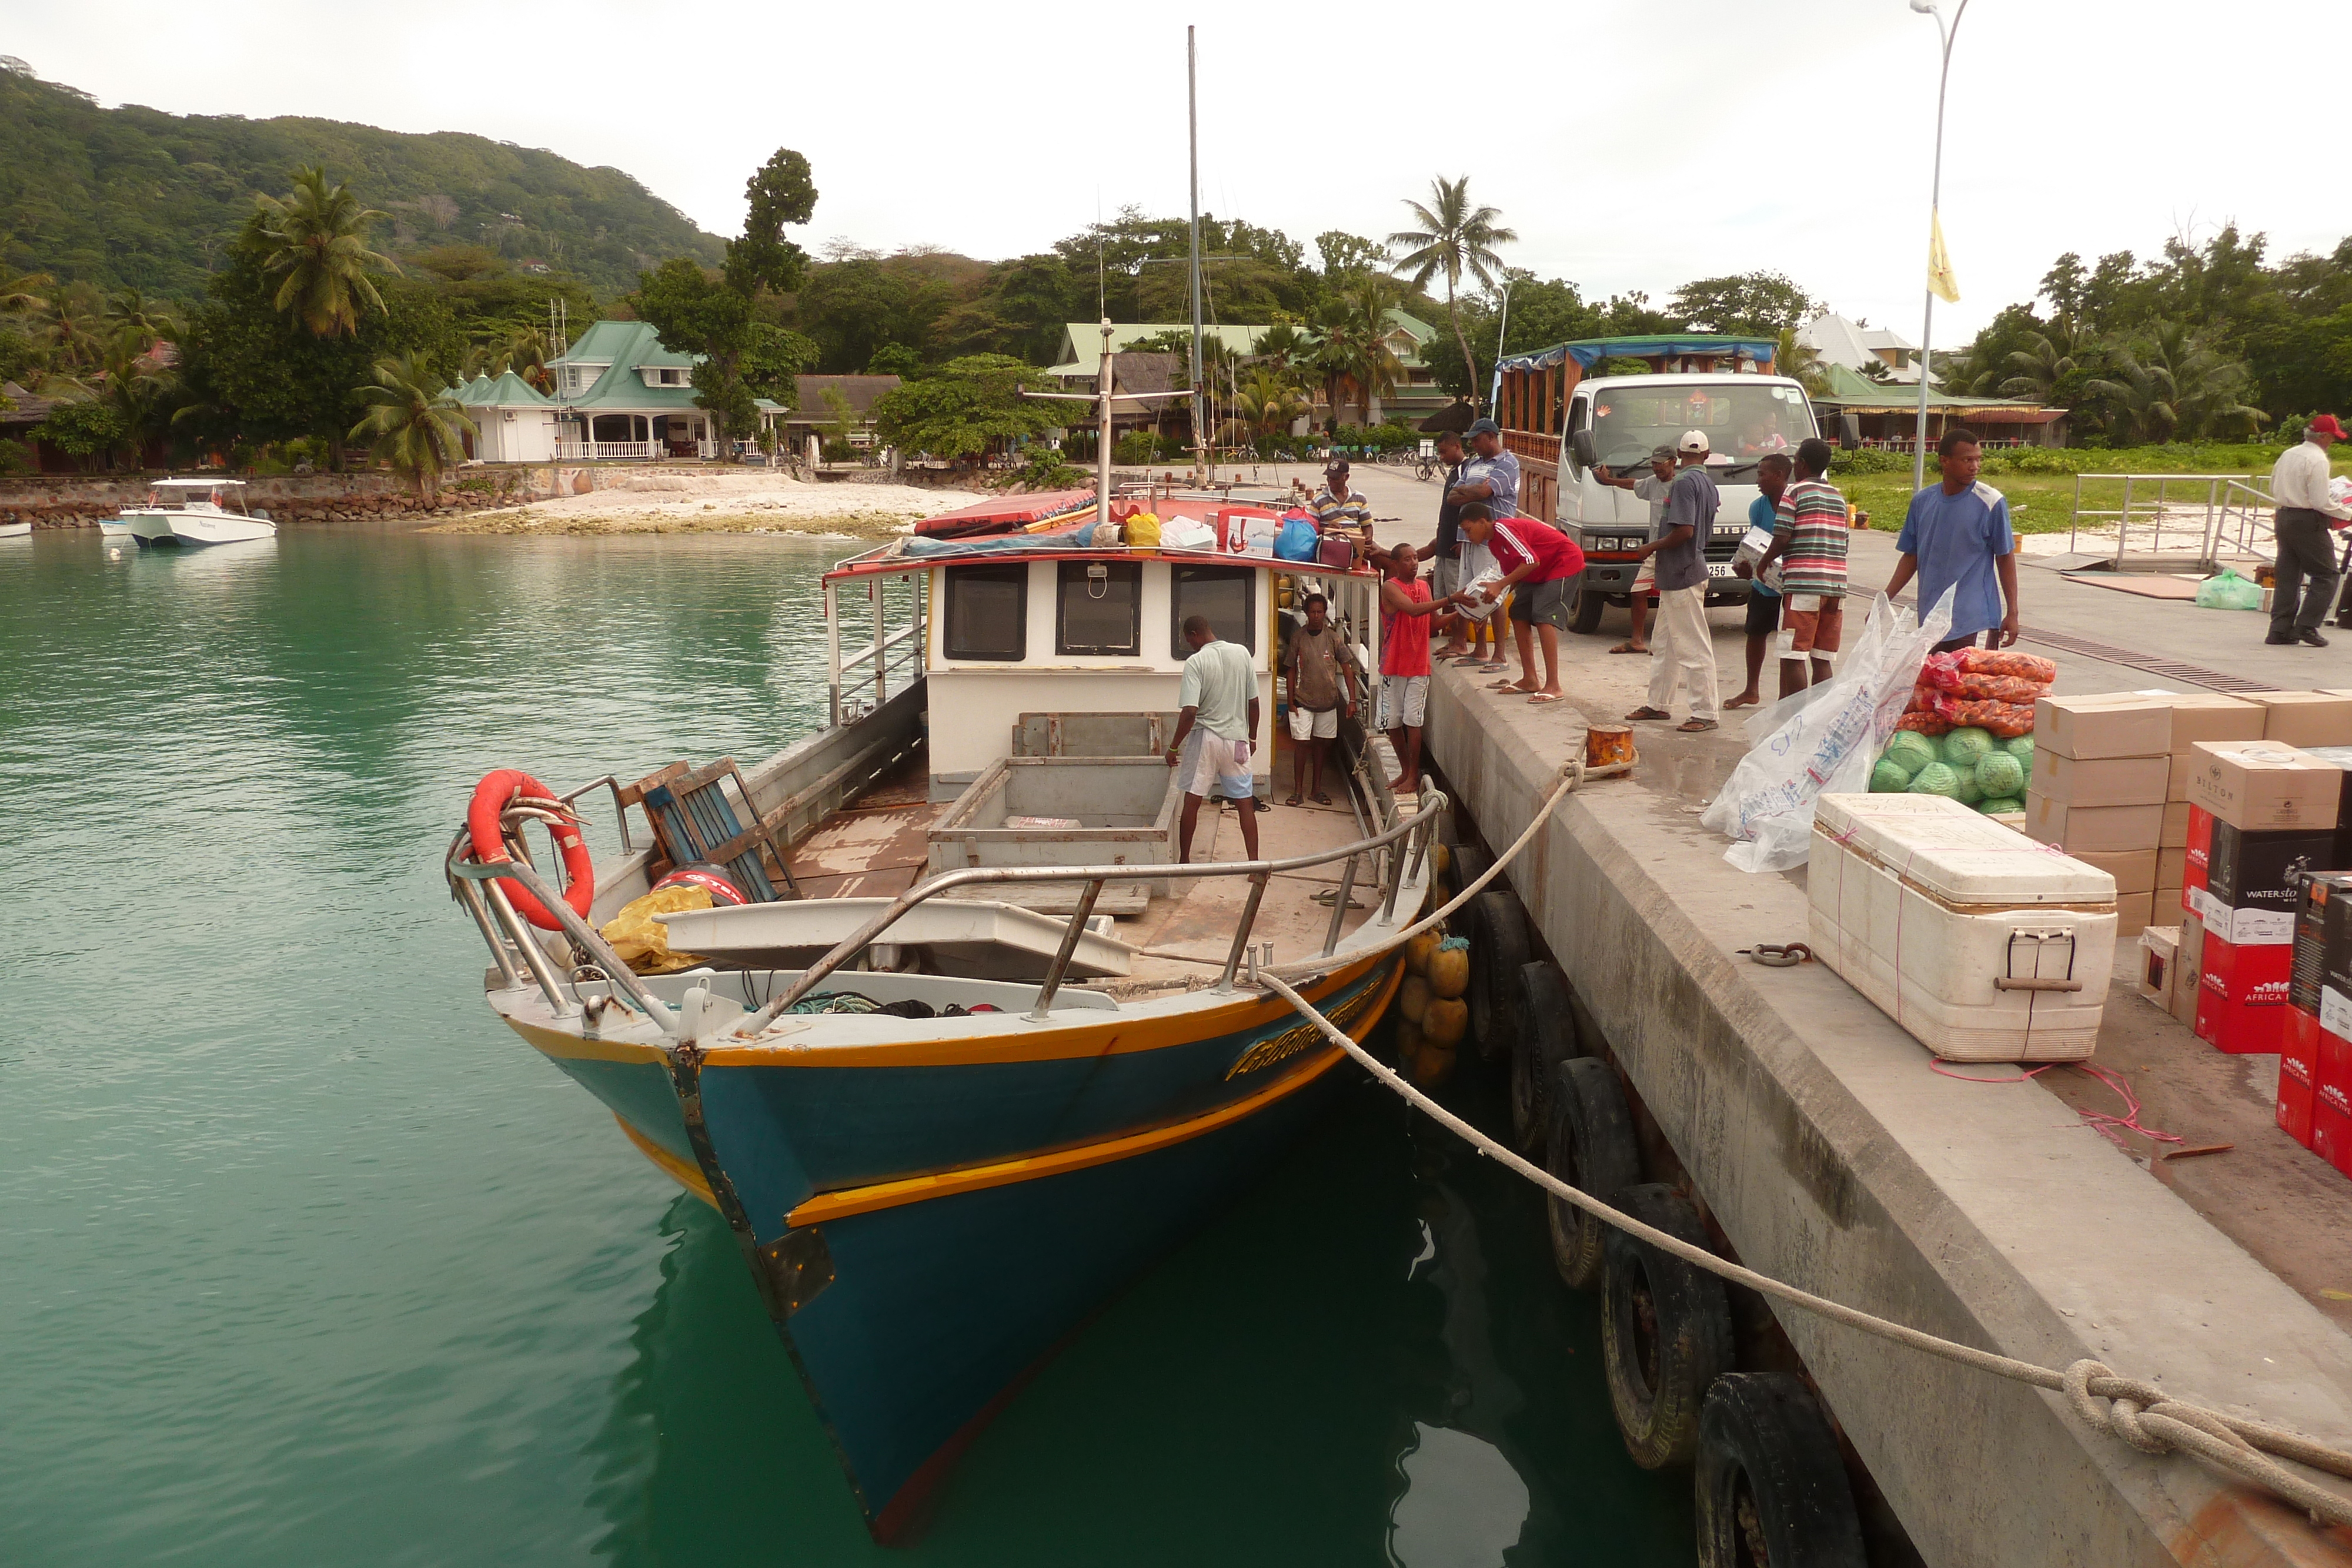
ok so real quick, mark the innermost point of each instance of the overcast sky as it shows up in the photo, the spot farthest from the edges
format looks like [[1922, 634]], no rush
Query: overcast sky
[[1633, 144]]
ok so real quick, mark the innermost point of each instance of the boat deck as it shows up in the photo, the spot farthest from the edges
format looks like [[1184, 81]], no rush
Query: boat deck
[[875, 847]]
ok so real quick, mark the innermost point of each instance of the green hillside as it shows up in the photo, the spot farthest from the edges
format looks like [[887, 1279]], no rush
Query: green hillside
[[135, 196]]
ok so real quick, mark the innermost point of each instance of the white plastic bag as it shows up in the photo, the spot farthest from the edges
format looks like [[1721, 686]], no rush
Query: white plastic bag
[[1827, 744], [1186, 533]]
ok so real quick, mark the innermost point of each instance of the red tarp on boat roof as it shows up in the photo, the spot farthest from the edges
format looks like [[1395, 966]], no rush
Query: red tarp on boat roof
[[1002, 517]]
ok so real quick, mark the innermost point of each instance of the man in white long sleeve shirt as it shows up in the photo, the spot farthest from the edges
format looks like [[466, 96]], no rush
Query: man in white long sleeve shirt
[[2306, 554]]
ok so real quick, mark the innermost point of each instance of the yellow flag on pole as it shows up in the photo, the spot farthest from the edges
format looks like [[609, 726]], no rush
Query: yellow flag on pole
[[1940, 281]]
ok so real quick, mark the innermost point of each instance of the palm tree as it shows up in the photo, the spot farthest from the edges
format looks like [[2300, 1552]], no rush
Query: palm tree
[[20, 295], [316, 236], [137, 323], [412, 424], [71, 332], [1802, 362], [1377, 368], [1282, 345], [1455, 238], [2035, 371], [1338, 351], [2173, 382], [1268, 402]]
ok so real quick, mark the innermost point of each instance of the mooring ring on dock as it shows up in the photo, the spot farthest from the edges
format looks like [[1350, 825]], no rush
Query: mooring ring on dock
[[1778, 955]]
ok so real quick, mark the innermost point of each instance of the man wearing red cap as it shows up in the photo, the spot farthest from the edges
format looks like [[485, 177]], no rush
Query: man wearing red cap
[[2306, 557]]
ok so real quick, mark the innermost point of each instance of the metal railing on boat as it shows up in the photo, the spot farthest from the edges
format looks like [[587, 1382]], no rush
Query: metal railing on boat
[[474, 884]]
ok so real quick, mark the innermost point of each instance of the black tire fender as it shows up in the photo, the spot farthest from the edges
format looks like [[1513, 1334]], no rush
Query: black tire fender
[[1772, 1485], [1469, 863], [1665, 1330], [1499, 951], [1546, 1038], [1592, 1149]]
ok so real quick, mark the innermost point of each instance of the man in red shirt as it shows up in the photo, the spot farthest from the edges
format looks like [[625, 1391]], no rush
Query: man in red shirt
[[1539, 562], [1405, 609]]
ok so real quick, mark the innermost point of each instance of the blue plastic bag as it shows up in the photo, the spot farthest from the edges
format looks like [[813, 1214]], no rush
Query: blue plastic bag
[[1296, 542]]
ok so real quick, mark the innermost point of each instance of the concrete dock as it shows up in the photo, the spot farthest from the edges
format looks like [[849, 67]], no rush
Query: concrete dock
[[1820, 1141]]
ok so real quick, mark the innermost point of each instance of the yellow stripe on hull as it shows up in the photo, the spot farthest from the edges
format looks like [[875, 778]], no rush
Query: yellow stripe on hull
[[916, 1189], [668, 1164]]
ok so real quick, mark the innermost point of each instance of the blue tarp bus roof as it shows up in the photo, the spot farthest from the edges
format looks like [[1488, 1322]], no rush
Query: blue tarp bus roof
[[1590, 351]]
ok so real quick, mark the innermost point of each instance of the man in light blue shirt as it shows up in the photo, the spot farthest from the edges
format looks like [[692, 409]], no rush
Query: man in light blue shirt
[[1957, 536]]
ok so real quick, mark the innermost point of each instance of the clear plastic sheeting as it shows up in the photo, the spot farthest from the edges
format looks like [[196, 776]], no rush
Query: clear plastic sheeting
[[1826, 743]]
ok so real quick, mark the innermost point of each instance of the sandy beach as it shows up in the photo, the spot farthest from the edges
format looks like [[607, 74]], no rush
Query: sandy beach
[[719, 502]]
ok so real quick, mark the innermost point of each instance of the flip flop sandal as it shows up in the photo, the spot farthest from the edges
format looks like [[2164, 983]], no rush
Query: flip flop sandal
[[1322, 799], [1697, 726], [1628, 648], [1646, 715], [1543, 697], [1291, 801]]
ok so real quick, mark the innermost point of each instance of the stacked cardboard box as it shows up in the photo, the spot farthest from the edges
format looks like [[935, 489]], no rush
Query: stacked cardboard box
[[2110, 785], [2316, 1063], [2262, 820]]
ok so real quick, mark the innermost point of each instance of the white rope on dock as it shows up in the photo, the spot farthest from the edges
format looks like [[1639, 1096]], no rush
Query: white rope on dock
[[2134, 1411]]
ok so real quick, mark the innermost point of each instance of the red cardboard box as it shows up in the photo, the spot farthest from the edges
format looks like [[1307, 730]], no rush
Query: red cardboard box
[[2241, 1004], [2331, 1101], [2298, 1067]]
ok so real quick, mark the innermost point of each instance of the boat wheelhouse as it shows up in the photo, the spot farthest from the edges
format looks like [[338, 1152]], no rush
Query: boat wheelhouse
[[192, 512], [975, 1050]]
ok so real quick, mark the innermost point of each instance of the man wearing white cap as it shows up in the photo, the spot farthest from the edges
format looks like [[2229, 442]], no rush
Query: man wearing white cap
[[1682, 650]]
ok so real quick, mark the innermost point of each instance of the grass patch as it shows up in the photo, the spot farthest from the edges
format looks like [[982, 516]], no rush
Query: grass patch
[[2039, 482]]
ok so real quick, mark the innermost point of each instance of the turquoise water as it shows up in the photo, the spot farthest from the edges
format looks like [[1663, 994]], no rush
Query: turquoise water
[[307, 1260]]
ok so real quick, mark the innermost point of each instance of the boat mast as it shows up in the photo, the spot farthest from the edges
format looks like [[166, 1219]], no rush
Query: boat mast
[[1102, 432], [1205, 451]]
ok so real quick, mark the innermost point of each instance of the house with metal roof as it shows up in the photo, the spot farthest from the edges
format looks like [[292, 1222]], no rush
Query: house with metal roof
[[1409, 337], [1863, 413], [514, 422], [620, 394], [1839, 341]]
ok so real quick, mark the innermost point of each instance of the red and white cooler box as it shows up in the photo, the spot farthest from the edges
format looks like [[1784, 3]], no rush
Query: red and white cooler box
[[1985, 945]]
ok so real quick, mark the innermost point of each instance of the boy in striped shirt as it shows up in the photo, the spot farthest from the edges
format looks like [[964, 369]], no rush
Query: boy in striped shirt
[[1810, 535]]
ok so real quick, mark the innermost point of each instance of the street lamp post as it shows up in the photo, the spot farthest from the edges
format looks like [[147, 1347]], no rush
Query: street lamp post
[[1494, 396], [1934, 201]]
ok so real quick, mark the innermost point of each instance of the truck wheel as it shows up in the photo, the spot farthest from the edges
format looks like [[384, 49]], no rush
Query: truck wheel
[[1665, 1330], [1771, 1486], [1584, 614]]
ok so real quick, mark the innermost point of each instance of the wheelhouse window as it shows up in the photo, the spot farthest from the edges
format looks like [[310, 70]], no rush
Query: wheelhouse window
[[1220, 593], [987, 611], [1101, 609]]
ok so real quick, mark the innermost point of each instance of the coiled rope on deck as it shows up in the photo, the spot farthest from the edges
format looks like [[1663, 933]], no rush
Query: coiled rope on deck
[[2137, 1412]]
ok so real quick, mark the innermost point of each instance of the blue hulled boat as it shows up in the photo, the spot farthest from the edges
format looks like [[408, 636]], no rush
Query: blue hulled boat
[[970, 1052]]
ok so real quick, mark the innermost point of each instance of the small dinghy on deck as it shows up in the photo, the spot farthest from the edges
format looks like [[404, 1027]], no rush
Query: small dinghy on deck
[[974, 1052]]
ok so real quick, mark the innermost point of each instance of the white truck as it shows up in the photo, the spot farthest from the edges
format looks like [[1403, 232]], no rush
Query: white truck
[[1568, 424]]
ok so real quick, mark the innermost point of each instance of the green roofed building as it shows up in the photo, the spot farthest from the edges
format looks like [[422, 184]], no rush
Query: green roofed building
[[1409, 339], [620, 393]]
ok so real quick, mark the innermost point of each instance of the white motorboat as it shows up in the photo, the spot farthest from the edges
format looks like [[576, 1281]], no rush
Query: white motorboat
[[192, 512], [15, 530]]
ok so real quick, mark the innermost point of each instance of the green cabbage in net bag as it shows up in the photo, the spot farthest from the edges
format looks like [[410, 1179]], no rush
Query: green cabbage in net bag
[[2001, 805], [1970, 791], [1937, 778], [2019, 746], [1887, 778], [1965, 745], [1910, 751], [2000, 773]]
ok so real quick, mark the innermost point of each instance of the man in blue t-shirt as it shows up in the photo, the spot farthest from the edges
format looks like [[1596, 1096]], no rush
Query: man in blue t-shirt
[[1772, 471], [1957, 536]]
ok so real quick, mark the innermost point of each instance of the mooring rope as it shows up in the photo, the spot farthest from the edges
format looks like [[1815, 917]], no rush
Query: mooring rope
[[2137, 1412]]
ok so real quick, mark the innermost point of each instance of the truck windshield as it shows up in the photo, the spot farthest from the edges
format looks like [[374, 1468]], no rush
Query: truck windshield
[[1743, 421]]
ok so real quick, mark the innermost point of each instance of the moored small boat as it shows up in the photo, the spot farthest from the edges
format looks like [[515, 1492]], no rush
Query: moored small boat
[[939, 1158], [190, 512]]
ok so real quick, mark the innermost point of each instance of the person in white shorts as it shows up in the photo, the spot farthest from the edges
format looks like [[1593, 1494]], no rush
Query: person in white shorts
[[1218, 719], [1320, 686]]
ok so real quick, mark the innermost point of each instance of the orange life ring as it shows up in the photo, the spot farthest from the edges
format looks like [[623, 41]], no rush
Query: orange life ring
[[492, 796]]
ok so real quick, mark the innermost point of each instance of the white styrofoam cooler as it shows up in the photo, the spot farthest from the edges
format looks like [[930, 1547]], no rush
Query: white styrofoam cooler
[[1985, 945]]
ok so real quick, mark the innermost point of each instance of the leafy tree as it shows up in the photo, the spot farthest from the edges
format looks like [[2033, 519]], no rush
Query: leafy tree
[[1345, 254], [1268, 402], [87, 429], [894, 360], [964, 409], [414, 426], [314, 241], [852, 308], [1751, 304], [1454, 239], [250, 372], [2172, 383], [739, 356]]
